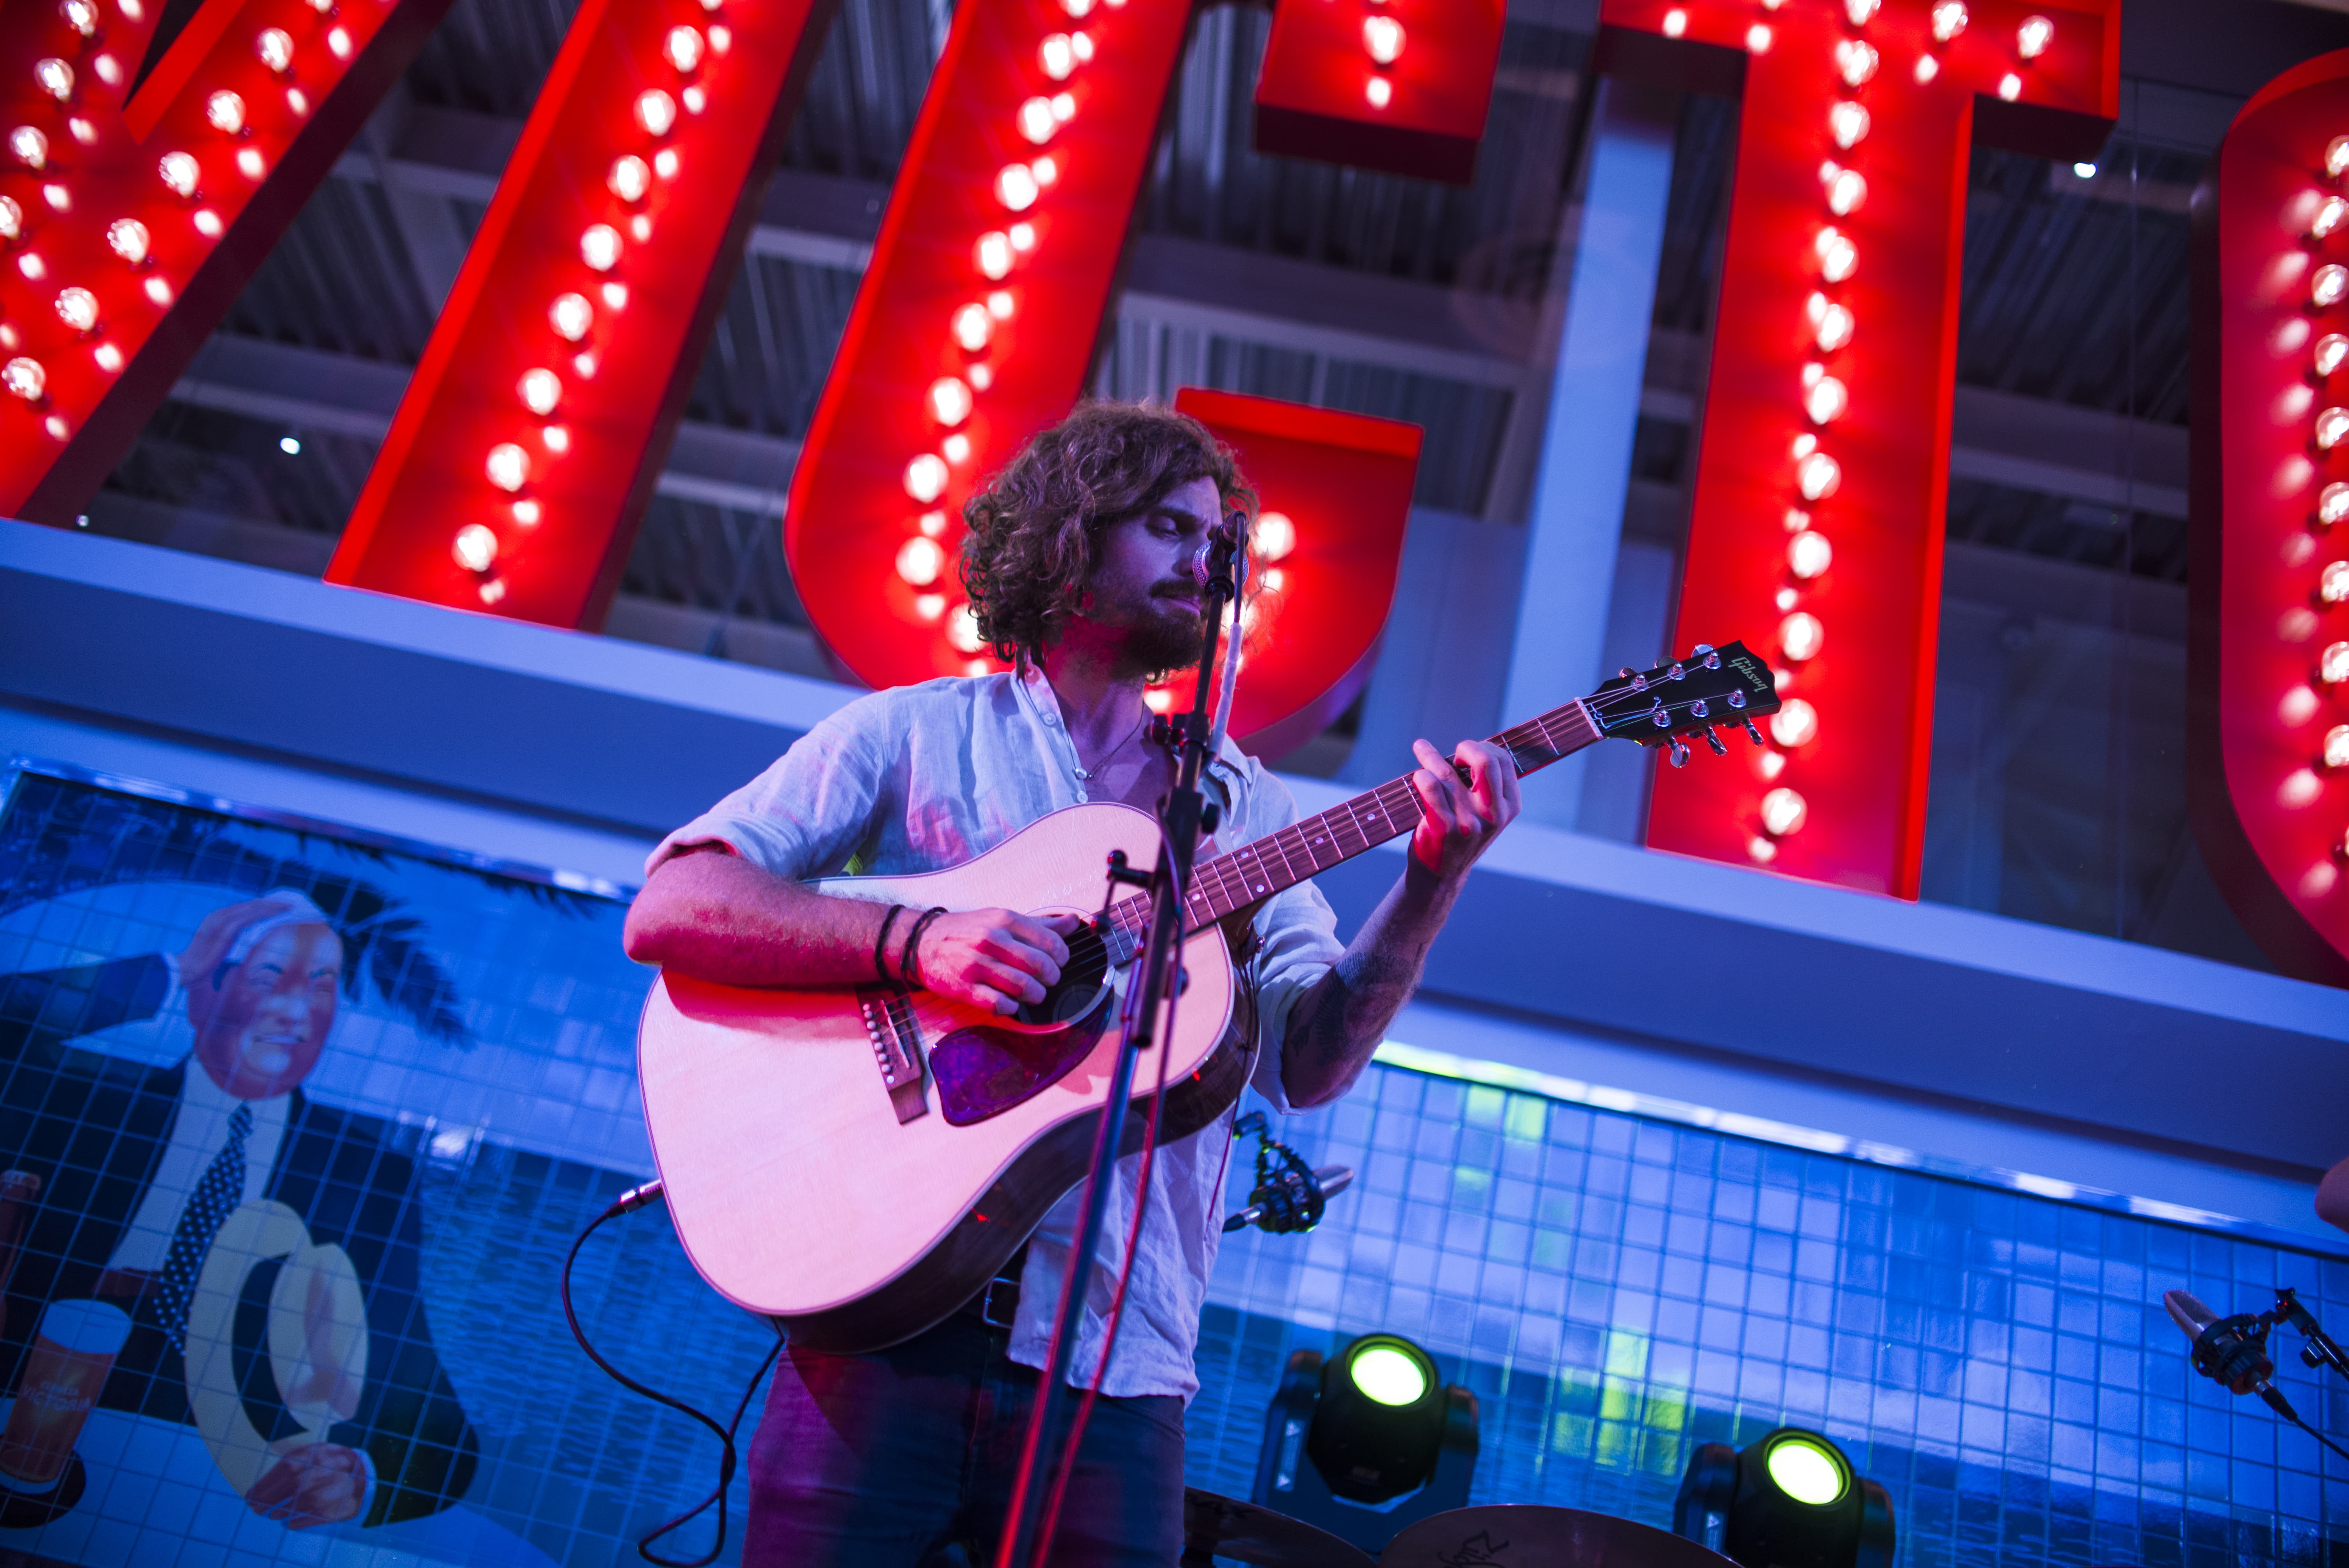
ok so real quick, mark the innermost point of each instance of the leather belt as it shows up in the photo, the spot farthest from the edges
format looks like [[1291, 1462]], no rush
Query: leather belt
[[996, 1305]]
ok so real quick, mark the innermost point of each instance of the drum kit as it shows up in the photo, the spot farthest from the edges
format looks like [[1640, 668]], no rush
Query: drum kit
[[1497, 1536]]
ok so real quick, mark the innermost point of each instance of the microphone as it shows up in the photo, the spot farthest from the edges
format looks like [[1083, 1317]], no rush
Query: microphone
[[2230, 1351], [1292, 1199], [1211, 564]]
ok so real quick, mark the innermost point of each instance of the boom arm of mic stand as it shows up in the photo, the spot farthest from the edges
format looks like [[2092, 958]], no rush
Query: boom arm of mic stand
[[2322, 1349]]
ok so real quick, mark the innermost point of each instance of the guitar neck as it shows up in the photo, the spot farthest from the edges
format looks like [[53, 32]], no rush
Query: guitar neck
[[1281, 859]]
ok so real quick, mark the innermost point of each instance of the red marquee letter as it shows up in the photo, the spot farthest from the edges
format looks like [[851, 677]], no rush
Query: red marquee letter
[[1823, 477], [127, 231], [2268, 753]]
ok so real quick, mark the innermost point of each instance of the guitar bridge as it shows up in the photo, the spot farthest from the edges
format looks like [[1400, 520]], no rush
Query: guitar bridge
[[888, 1014]]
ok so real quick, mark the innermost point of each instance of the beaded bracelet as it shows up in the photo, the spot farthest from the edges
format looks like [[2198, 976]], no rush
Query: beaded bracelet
[[909, 964], [881, 942]]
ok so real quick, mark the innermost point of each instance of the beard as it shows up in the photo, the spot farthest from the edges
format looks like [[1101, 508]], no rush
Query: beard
[[1164, 635]]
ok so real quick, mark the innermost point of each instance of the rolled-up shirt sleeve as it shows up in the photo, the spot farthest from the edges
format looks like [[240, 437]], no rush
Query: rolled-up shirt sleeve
[[811, 809], [1296, 931]]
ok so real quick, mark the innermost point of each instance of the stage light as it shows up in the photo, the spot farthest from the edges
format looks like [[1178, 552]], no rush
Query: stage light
[[1273, 537], [1848, 122], [1791, 1498], [1800, 636], [1367, 1441], [1796, 723], [1948, 20], [179, 173], [78, 308], [2031, 39], [55, 77], [225, 112], [24, 378], [30, 147]]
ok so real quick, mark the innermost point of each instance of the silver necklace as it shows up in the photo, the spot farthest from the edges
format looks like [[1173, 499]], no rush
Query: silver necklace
[[1087, 775]]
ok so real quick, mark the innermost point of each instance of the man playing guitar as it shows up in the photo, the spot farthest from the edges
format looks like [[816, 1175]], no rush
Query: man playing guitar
[[1077, 570]]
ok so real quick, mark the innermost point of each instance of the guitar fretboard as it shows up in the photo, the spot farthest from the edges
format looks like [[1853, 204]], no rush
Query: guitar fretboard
[[1281, 859]]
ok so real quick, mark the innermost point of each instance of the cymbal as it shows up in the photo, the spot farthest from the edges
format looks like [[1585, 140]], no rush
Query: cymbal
[[1523, 1536], [1228, 1527]]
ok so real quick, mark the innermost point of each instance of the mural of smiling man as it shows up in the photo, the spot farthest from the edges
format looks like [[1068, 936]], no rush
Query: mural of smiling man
[[254, 1253]]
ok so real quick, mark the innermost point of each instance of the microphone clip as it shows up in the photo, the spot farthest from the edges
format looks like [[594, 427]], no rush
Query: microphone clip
[[1290, 1195]]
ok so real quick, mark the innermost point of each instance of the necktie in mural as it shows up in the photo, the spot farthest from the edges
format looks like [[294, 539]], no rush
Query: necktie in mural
[[216, 1195]]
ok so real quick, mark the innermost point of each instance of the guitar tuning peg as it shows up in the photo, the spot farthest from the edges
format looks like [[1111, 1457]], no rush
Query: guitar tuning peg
[[1700, 650], [1752, 733], [1680, 752], [1627, 672], [1719, 747]]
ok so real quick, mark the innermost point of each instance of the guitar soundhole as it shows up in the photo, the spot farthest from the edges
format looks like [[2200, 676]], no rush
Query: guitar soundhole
[[1081, 986]]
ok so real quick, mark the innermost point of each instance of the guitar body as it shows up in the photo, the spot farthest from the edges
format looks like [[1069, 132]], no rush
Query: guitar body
[[803, 1189]]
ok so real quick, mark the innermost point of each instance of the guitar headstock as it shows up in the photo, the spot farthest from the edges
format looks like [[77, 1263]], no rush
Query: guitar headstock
[[1713, 688]]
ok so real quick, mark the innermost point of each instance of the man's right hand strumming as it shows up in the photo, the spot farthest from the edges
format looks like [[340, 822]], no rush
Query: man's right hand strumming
[[993, 958]]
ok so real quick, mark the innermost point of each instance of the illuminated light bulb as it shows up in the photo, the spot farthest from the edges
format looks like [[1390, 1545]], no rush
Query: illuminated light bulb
[[721, 38], [508, 467], [1675, 23], [56, 427], [980, 377], [557, 438], [225, 112], [2331, 425], [973, 326], [56, 78], [1379, 91], [683, 48], [29, 146], [1826, 401], [475, 548], [1818, 475], [1016, 186], [83, 132], [1275, 580], [571, 315], [993, 254], [1045, 170], [616, 296], [109, 357], [527, 513], [1848, 122], [1023, 237], [1846, 192], [131, 9], [12, 219], [657, 112], [180, 172], [1382, 36], [1927, 67], [1800, 636], [934, 523], [2010, 87], [2330, 350], [957, 448], [1836, 326], [630, 178], [1948, 20], [920, 560], [159, 291], [1037, 120], [81, 17], [208, 224], [248, 162], [665, 164], [1058, 57], [2336, 156], [1064, 106], [2329, 283], [2333, 664], [599, 247], [949, 400], [1783, 812], [2031, 39], [1082, 43], [962, 630], [32, 266], [1796, 519], [1856, 61], [338, 44], [1861, 12], [274, 46], [1274, 536], [1080, 9], [694, 98], [1757, 38], [297, 100], [2332, 582], [107, 71], [925, 477], [78, 308], [2333, 503], [60, 198], [929, 606], [640, 227], [2328, 217], [1838, 257], [1808, 554], [540, 390], [24, 378], [1796, 723], [2337, 747], [1763, 851]]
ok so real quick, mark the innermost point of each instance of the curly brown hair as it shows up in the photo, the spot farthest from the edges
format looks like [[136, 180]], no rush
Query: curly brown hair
[[1035, 528]]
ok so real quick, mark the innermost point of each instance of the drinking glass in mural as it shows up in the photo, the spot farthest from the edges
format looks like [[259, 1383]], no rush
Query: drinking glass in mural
[[72, 1353]]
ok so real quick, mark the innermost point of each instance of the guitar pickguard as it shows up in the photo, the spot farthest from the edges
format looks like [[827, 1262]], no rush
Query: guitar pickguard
[[982, 1072]]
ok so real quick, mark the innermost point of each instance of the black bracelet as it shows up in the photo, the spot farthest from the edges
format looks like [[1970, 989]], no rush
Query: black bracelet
[[909, 965], [881, 942]]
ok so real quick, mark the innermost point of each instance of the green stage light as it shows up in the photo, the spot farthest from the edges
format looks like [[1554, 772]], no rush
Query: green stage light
[[1806, 1470], [1388, 1376], [1791, 1500]]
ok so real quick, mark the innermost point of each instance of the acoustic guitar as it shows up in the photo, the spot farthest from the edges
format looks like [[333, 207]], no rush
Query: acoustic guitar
[[858, 1161]]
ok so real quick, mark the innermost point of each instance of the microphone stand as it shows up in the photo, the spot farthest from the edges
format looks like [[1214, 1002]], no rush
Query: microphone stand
[[1182, 818]]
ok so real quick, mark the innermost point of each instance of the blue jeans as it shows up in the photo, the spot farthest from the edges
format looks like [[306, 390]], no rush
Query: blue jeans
[[905, 1458]]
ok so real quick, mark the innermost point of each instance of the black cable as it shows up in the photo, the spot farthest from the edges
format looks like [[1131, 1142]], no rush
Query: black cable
[[2294, 1416], [636, 1198]]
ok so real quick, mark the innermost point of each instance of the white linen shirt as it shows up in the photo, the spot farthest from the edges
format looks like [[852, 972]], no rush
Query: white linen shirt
[[918, 778]]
